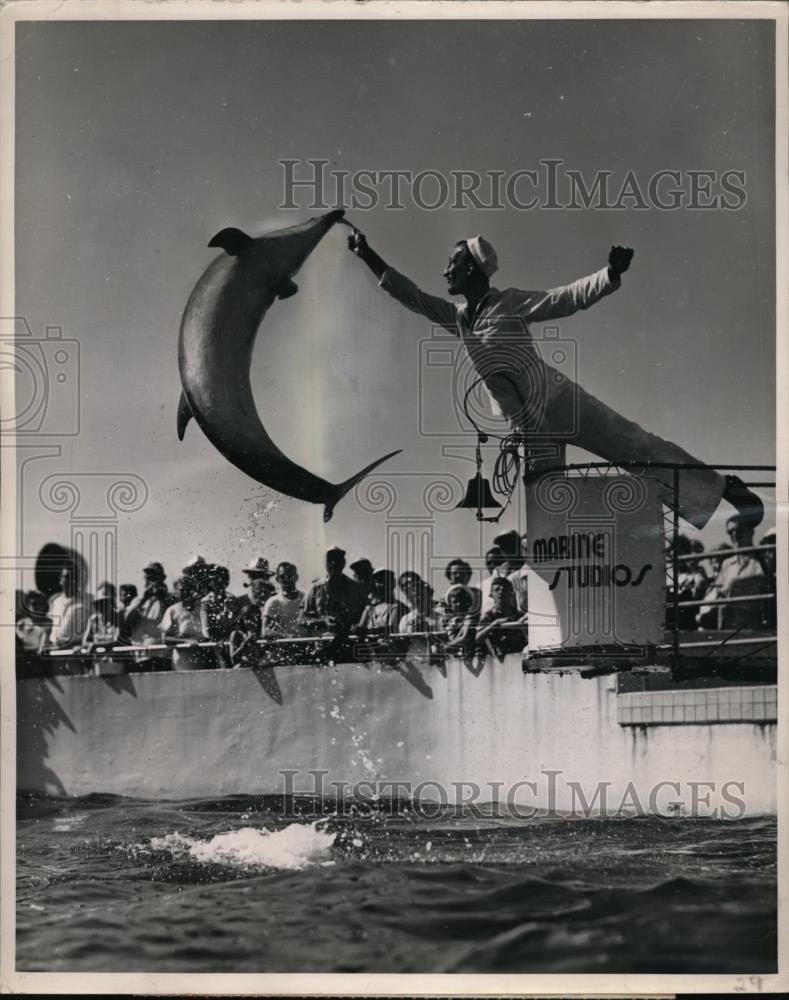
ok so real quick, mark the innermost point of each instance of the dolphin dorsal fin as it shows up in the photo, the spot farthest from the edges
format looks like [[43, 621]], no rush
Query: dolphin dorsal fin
[[286, 289], [232, 241]]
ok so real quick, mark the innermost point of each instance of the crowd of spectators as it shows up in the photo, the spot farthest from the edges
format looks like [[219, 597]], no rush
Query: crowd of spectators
[[733, 586], [198, 624]]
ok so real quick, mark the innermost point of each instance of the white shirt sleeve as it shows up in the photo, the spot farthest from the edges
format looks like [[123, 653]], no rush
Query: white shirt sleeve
[[437, 310], [568, 299]]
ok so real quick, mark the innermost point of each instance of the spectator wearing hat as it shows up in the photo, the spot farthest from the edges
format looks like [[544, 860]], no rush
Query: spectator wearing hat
[[335, 602], [243, 648], [383, 612], [282, 611], [259, 589]]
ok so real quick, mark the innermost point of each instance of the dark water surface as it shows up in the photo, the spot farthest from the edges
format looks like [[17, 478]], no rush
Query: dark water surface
[[118, 885]]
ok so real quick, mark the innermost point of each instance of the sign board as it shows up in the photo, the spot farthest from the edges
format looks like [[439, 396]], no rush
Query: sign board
[[596, 561]]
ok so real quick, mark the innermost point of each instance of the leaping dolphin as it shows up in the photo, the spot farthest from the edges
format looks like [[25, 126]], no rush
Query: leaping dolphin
[[218, 331]]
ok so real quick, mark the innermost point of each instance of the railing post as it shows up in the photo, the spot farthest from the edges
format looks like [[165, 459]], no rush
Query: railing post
[[675, 570]]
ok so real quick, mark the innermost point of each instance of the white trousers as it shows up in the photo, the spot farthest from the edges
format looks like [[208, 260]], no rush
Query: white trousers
[[563, 413]]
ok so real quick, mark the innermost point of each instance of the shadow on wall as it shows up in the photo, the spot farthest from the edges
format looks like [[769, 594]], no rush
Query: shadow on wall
[[43, 716], [267, 679], [40, 712], [411, 672]]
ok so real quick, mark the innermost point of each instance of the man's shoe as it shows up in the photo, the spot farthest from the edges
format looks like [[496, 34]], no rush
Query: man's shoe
[[749, 505]]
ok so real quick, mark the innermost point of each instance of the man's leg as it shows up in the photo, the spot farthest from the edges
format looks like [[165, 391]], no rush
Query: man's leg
[[579, 418]]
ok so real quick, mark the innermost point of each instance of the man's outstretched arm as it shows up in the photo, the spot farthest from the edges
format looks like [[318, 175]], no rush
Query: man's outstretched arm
[[437, 310], [583, 293], [357, 243]]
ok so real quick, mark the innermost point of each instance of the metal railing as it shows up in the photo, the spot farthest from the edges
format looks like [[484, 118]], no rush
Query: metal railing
[[301, 649]]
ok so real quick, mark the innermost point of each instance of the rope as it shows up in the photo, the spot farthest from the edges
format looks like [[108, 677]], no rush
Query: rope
[[507, 465]]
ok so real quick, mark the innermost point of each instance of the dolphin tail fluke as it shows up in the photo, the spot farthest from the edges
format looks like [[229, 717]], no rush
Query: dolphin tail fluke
[[348, 485], [184, 415]]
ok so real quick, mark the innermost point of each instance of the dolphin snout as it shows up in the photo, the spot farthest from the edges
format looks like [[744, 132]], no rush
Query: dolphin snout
[[292, 246]]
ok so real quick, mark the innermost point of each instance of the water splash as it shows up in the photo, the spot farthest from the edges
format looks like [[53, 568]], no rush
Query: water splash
[[358, 738], [295, 847]]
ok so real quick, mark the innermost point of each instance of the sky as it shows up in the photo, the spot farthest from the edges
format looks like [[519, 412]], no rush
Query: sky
[[137, 141]]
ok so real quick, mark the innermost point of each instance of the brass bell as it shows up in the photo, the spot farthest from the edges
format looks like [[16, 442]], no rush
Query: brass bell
[[479, 495]]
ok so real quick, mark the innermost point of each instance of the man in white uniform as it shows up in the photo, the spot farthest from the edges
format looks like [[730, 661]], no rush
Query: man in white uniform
[[493, 325]]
